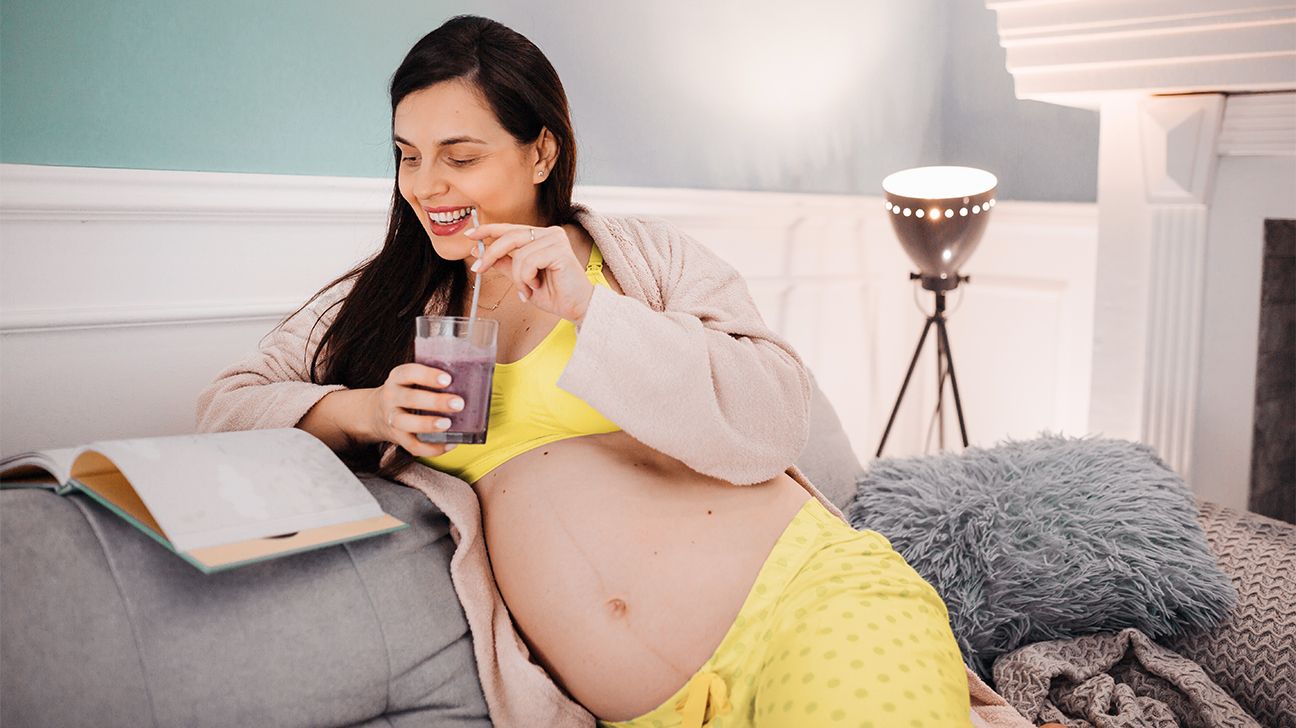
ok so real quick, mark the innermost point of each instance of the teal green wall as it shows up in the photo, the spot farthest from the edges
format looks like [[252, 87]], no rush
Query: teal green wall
[[664, 94], [288, 86]]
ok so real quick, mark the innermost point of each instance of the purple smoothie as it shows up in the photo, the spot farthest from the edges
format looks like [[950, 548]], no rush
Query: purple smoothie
[[471, 373]]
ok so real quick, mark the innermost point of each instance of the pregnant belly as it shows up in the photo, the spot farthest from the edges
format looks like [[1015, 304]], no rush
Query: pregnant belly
[[623, 569]]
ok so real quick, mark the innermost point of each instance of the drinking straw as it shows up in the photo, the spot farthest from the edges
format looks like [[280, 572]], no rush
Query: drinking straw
[[481, 251]]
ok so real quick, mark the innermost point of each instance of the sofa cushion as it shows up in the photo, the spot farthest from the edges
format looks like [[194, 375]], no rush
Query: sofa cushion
[[1047, 539], [101, 626]]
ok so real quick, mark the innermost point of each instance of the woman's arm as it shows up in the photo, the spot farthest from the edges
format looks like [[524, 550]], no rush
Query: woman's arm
[[704, 380]]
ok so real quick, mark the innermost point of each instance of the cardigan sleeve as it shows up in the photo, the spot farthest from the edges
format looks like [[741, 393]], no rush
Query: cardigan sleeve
[[272, 388], [703, 380]]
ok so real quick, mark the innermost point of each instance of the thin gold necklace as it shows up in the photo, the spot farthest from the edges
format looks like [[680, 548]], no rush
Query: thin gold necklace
[[499, 300]]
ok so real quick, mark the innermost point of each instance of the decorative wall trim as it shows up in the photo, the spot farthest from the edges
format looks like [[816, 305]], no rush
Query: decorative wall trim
[[1174, 337], [1262, 125], [1181, 85], [39, 192], [168, 314], [191, 269], [1178, 135], [1073, 52], [68, 196]]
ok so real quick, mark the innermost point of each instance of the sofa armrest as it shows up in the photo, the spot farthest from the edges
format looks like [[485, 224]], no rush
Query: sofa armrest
[[100, 625]]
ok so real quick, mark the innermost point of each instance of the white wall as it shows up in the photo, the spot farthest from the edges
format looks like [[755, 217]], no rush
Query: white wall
[[1248, 189], [123, 292]]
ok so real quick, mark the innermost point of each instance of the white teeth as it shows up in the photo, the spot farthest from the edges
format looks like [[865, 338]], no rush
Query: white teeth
[[446, 218]]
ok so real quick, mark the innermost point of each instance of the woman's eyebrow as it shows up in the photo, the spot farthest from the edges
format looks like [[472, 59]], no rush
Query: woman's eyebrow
[[444, 142]]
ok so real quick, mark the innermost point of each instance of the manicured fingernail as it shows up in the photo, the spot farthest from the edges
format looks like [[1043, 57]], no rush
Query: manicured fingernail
[[450, 447], [521, 296], [443, 423], [444, 380], [456, 404], [475, 266]]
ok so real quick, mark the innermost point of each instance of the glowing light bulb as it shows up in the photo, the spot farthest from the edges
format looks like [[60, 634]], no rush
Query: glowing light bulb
[[936, 183]]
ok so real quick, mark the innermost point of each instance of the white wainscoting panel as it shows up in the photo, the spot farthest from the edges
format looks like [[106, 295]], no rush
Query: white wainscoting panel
[[124, 292]]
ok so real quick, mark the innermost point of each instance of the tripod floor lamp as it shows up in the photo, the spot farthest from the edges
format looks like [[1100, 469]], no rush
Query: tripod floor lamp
[[939, 215]]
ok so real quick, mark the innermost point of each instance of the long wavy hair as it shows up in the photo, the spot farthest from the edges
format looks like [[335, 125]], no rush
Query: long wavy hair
[[374, 328]]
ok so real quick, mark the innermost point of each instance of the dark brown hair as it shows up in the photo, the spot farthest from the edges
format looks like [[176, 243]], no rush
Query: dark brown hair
[[374, 329]]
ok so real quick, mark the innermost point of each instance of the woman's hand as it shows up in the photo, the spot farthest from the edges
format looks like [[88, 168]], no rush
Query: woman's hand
[[541, 263], [389, 414]]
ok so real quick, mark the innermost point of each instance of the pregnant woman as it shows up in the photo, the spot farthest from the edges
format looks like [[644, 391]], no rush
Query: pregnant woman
[[644, 527]]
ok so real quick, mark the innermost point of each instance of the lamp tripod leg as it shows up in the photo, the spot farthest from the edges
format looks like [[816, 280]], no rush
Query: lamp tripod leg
[[949, 358], [940, 389], [903, 387]]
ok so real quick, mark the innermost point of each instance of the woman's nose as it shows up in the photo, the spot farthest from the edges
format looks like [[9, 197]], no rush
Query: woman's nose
[[428, 182]]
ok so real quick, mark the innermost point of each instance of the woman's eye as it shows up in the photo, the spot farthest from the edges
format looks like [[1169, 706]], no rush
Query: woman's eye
[[462, 162], [407, 159]]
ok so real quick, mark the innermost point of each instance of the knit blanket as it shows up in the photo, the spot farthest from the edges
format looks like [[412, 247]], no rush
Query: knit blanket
[[1113, 680]]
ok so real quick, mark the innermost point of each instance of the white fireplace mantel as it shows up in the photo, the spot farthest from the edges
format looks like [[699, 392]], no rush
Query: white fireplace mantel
[[1197, 146], [1083, 52]]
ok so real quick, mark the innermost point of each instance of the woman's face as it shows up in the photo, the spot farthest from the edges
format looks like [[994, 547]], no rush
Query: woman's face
[[454, 155]]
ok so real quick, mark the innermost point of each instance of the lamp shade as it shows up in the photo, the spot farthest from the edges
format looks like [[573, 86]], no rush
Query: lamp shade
[[939, 215]]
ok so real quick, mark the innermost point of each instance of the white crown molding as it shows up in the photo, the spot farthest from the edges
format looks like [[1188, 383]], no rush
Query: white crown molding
[[1076, 52], [1262, 125]]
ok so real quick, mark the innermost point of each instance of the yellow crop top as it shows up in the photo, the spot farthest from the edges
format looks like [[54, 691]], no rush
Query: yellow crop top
[[527, 408]]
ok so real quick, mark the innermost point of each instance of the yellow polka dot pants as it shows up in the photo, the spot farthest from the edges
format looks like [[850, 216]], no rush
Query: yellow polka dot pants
[[837, 630]]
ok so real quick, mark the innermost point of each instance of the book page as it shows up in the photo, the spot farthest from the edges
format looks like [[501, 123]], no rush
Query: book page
[[53, 464], [217, 488]]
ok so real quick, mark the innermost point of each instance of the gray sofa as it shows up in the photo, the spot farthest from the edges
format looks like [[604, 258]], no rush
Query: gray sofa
[[100, 626]]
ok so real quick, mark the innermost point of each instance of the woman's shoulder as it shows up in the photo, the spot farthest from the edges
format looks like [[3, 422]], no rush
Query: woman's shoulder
[[648, 236]]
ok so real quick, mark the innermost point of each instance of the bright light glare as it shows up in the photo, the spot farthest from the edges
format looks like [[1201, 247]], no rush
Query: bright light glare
[[936, 183]]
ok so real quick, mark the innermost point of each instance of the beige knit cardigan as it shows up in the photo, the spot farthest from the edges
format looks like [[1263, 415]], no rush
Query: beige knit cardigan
[[683, 362]]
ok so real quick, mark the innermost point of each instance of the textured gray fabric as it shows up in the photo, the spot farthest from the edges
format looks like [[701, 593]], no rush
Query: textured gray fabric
[[101, 626], [827, 459], [1046, 539], [1114, 680], [1253, 653]]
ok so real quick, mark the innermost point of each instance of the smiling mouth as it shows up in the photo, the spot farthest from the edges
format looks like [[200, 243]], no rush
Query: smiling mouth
[[446, 219]]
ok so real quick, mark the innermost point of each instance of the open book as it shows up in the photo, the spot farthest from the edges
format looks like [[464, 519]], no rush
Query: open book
[[218, 500]]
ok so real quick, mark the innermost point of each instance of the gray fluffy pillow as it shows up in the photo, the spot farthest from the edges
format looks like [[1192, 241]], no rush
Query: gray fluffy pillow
[[1047, 539]]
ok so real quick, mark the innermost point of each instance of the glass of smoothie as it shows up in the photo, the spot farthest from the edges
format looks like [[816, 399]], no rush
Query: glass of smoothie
[[467, 353]]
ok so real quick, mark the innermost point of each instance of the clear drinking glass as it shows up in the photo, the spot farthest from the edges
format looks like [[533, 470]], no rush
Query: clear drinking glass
[[446, 342]]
